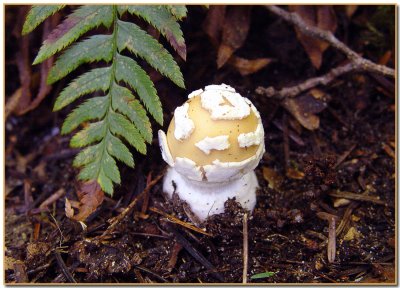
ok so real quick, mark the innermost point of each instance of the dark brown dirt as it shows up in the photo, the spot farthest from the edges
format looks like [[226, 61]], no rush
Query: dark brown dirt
[[351, 152]]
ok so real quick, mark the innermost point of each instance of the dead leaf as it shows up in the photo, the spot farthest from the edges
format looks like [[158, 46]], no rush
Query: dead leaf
[[350, 10], [25, 103], [24, 160], [212, 25], [339, 202], [90, 197], [40, 170], [321, 16], [304, 107], [246, 67], [9, 263], [351, 234], [23, 64], [12, 102], [274, 179], [392, 242], [69, 212], [20, 273], [234, 32], [44, 88], [294, 174], [385, 58], [388, 150], [36, 250]]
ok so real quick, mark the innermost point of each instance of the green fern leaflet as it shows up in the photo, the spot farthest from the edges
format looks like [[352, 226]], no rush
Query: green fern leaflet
[[117, 118]]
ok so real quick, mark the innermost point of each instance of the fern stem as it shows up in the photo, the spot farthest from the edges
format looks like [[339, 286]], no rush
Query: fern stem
[[112, 82]]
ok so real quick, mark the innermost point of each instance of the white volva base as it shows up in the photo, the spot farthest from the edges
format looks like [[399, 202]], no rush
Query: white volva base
[[205, 198]]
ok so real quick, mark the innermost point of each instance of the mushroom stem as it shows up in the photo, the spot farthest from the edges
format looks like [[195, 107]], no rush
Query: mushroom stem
[[206, 198]]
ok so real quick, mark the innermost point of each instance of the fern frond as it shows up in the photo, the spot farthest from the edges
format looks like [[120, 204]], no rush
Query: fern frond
[[37, 14], [105, 182], [93, 108], [93, 49], [117, 118], [90, 171], [88, 155], [109, 166], [124, 102], [92, 133], [117, 148], [95, 80], [79, 22], [129, 71], [119, 125], [138, 42], [179, 11], [163, 21]]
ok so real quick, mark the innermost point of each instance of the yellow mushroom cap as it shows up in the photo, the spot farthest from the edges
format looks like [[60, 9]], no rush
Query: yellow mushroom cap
[[204, 127], [215, 136]]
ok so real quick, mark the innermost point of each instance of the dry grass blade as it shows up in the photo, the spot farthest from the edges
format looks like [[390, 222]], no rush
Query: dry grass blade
[[331, 249], [53, 198], [332, 241], [344, 156], [346, 218], [359, 197], [179, 222]]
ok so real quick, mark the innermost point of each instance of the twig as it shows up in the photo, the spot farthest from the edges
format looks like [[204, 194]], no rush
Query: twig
[[359, 197], [344, 156], [180, 222], [53, 198], [174, 256], [328, 36], [64, 267], [146, 195], [286, 148], [151, 273], [245, 248], [357, 62], [40, 268], [308, 84], [117, 219], [195, 253]]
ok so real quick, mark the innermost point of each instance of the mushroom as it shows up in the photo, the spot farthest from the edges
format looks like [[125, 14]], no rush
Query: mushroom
[[213, 143]]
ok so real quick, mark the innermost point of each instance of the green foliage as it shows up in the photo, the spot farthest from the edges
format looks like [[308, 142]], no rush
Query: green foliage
[[116, 115], [37, 15], [179, 11], [266, 274], [162, 19]]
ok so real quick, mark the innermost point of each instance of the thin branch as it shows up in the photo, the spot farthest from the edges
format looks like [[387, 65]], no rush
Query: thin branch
[[117, 219], [308, 84], [64, 267], [245, 248], [359, 197], [328, 36], [357, 62]]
